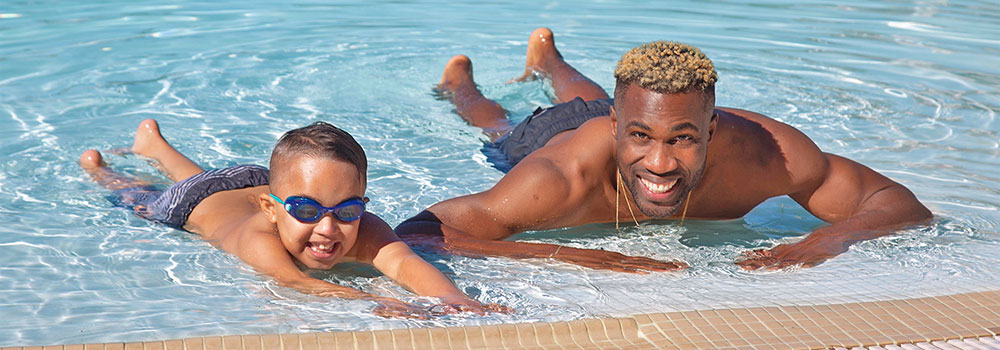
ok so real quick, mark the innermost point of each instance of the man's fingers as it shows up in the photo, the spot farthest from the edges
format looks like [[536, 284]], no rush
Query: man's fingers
[[655, 265], [394, 310], [499, 308], [756, 263], [758, 253]]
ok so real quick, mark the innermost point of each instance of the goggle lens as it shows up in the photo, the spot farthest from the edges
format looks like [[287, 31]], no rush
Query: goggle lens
[[305, 212], [308, 210]]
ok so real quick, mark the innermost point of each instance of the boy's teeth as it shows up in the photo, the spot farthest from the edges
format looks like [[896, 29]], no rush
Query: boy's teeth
[[658, 188]]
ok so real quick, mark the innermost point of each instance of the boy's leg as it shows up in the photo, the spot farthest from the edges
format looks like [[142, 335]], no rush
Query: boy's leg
[[476, 109], [149, 143], [92, 162], [544, 59]]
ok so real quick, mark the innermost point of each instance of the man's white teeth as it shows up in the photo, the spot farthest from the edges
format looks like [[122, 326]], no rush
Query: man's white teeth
[[658, 188], [322, 248]]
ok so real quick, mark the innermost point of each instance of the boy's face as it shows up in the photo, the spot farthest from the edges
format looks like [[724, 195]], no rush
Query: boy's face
[[322, 243]]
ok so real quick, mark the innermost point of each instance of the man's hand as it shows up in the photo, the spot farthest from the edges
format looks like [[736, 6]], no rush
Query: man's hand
[[460, 304], [605, 260], [809, 252], [392, 308]]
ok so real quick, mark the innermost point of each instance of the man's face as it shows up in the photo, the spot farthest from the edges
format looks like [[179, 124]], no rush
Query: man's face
[[662, 141], [319, 244]]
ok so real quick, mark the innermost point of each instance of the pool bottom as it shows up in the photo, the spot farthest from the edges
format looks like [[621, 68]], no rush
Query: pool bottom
[[864, 324]]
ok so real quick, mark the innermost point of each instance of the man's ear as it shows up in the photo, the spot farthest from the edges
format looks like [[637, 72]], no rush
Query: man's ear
[[269, 207], [712, 124], [614, 123]]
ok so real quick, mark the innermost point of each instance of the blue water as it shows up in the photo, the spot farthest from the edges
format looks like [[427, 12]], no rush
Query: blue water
[[907, 88]]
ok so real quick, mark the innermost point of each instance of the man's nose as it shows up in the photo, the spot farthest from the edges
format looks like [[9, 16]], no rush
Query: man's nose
[[660, 160]]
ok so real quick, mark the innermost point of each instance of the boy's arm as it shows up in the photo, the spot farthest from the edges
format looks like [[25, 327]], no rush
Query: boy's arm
[[378, 245], [265, 253]]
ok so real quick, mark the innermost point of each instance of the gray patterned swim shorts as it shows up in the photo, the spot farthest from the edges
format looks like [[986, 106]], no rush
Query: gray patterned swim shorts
[[536, 130], [172, 206]]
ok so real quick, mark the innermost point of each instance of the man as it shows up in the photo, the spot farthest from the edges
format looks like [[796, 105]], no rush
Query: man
[[663, 150]]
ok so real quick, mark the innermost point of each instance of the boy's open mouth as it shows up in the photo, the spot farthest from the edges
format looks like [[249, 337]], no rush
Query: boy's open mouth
[[323, 250]]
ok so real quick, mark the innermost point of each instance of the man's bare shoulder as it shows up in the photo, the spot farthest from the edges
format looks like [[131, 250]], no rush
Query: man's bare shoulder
[[585, 150], [769, 141]]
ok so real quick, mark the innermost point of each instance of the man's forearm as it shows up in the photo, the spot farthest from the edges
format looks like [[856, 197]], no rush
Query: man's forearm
[[461, 242], [882, 213]]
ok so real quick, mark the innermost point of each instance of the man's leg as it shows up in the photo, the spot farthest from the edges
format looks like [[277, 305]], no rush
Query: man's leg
[[543, 59], [476, 109], [149, 143]]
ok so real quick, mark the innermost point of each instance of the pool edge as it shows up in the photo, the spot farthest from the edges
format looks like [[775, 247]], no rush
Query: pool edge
[[845, 325]]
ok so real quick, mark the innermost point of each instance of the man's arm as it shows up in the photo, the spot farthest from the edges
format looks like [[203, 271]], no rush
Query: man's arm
[[534, 195], [860, 204]]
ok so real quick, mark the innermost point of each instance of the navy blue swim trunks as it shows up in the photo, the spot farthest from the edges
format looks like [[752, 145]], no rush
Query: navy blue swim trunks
[[536, 130], [172, 206]]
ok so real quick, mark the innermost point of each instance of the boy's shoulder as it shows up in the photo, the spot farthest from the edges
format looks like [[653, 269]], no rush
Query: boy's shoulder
[[373, 234]]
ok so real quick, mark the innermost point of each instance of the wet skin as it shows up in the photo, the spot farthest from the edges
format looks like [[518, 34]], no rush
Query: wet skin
[[250, 224], [661, 150], [730, 160]]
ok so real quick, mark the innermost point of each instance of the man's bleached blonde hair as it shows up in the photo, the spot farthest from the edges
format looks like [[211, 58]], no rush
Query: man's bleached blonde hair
[[666, 67]]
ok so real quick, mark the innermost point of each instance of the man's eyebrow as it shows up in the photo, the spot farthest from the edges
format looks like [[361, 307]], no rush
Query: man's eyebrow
[[635, 124], [678, 127], [683, 126]]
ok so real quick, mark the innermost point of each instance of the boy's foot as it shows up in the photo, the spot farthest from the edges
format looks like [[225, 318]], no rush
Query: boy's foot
[[457, 74], [148, 140], [541, 51], [92, 159]]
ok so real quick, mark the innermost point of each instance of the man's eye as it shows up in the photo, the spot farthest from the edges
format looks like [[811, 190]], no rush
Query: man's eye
[[682, 139], [639, 135]]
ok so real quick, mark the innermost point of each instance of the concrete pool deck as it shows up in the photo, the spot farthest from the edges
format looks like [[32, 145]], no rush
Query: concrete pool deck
[[958, 321]]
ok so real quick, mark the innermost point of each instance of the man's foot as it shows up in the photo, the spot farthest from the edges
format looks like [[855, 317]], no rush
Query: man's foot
[[92, 159], [458, 87], [541, 51], [457, 75], [148, 140]]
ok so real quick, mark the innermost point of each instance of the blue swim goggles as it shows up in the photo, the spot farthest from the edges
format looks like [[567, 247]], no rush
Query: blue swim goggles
[[308, 210]]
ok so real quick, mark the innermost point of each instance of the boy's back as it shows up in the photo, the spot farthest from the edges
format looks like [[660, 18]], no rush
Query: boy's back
[[308, 211]]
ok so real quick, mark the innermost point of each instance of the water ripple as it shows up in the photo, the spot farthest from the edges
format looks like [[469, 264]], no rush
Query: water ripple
[[905, 88]]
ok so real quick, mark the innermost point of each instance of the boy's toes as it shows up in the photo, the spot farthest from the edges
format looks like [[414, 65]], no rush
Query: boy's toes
[[91, 159]]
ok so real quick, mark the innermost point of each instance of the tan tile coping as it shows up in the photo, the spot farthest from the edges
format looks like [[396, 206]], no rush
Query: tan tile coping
[[942, 320]]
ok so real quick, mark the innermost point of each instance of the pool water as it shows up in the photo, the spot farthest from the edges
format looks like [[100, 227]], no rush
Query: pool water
[[907, 88]]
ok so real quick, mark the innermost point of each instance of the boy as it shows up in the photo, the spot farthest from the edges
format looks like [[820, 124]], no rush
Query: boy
[[308, 211]]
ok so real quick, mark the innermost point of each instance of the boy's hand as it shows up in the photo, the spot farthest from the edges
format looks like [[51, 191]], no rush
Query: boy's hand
[[459, 304], [392, 308]]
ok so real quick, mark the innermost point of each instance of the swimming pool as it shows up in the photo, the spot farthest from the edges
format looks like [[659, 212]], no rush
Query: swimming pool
[[907, 89]]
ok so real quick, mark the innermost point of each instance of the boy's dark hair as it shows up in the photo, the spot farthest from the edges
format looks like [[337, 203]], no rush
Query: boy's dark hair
[[319, 139]]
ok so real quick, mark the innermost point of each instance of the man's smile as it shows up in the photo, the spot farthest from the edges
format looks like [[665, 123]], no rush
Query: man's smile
[[658, 192]]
